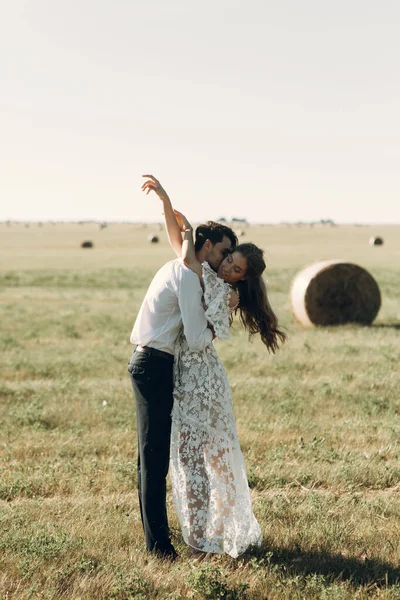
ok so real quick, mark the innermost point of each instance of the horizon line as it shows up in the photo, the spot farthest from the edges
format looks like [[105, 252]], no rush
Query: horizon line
[[234, 220]]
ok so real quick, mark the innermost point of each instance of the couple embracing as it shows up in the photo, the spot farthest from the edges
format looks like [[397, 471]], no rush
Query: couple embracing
[[185, 419]]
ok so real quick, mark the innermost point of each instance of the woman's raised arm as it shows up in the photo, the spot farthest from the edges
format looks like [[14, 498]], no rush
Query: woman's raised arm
[[188, 251], [172, 227]]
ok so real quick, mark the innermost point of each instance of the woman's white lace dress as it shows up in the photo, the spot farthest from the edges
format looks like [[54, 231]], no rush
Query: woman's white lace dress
[[208, 474]]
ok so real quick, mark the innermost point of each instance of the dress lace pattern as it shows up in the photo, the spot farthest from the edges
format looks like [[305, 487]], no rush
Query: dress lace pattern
[[209, 482]]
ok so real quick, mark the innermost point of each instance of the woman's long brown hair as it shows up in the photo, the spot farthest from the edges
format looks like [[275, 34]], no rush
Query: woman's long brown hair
[[255, 311]]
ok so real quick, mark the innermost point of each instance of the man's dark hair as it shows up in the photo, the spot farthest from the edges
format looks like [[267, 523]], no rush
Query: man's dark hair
[[214, 232]]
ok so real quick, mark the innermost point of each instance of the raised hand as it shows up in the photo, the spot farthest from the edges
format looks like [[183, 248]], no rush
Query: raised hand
[[152, 184], [182, 221]]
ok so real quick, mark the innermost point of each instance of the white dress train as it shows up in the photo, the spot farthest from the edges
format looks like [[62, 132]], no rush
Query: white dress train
[[208, 474]]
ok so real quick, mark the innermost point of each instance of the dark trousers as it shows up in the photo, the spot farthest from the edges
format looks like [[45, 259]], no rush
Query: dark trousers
[[152, 382]]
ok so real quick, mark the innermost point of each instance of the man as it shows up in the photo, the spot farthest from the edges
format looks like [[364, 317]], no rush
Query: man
[[172, 300]]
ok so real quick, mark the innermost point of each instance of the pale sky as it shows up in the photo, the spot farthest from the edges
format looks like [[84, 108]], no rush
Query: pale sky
[[270, 110]]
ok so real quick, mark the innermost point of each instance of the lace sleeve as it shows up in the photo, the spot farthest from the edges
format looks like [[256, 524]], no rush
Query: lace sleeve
[[234, 307], [216, 299]]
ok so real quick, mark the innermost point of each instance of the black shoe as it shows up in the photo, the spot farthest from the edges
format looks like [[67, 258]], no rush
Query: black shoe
[[169, 554]]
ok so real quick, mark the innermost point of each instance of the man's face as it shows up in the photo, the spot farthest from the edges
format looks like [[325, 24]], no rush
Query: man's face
[[218, 252]]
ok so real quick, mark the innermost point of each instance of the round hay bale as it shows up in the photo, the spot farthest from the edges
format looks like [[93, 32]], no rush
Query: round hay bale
[[376, 241], [153, 239], [334, 292], [87, 244]]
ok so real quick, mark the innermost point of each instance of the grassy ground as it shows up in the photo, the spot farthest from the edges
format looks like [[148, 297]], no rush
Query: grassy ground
[[318, 423]]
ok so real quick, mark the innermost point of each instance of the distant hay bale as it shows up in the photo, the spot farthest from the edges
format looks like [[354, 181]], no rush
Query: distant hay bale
[[103, 225], [376, 241], [240, 233], [87, 244], [334, 292], [153, 239]]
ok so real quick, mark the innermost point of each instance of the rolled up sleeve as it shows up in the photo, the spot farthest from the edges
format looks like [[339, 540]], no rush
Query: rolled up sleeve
[[197, 334]]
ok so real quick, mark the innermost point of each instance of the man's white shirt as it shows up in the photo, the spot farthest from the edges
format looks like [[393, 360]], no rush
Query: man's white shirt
[[173, 299]]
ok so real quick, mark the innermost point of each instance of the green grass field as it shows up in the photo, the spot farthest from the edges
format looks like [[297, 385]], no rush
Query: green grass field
[[318, 424]]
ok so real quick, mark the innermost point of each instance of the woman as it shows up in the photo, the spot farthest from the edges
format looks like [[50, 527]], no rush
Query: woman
[[208, 474]]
